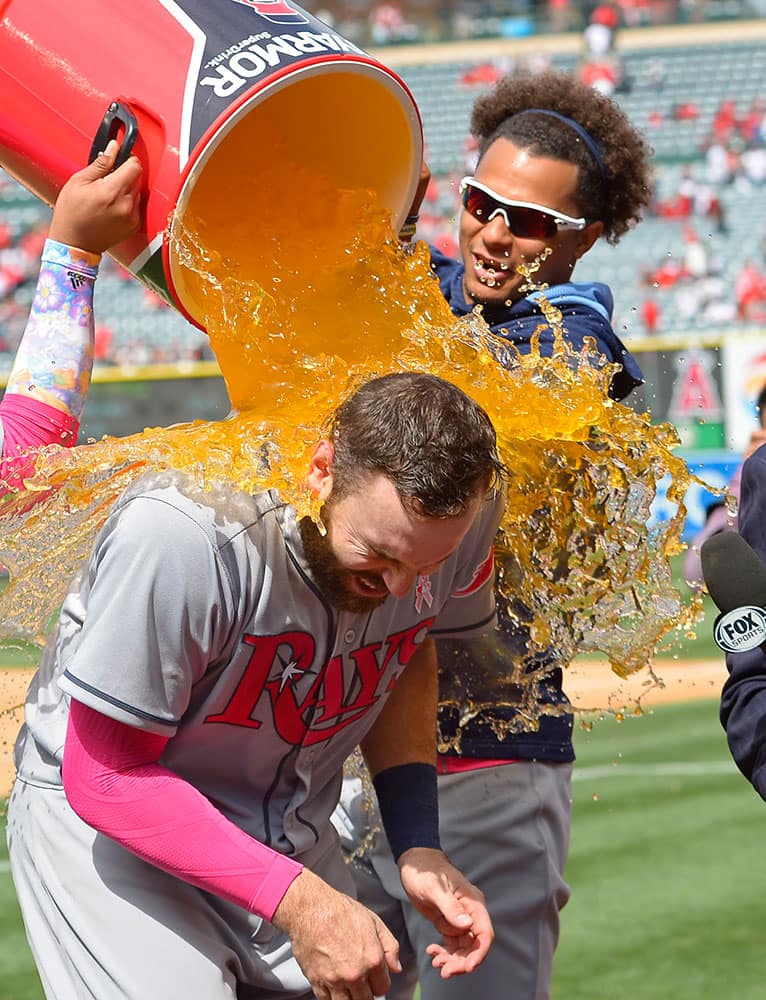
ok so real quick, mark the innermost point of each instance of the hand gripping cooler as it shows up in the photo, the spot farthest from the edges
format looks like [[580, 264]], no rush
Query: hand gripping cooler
[[191, 84]]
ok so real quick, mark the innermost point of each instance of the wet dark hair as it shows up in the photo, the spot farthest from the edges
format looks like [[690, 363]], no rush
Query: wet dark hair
[[617, 197], [436, 445]]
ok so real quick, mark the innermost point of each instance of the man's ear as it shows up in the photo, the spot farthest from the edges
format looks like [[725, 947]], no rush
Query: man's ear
[[320, 470], [592, 232]]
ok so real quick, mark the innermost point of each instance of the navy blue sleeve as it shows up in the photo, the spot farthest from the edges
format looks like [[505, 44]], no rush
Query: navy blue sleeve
[[450, 275], [579, 322], [743, 699]]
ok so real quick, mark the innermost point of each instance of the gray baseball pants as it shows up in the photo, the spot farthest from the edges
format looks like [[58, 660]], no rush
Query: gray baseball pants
[[105, 925], [507, 829]]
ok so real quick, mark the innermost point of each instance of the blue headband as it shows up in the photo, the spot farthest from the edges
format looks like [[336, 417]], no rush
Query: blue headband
[[586, 137]]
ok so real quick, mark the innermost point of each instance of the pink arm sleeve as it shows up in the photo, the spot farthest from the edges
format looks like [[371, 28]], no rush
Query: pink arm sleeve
[[114, 782], [29, 424]]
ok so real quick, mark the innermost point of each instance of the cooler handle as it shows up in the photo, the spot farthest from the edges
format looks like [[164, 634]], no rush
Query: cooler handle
[[118, 113]]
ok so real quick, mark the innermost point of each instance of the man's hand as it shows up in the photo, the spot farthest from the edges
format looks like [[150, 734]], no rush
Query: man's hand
[[410, 223], [98, 207], [345, 951], [453, 905]]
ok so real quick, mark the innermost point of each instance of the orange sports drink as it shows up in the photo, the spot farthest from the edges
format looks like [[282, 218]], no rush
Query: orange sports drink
[[284, 249]]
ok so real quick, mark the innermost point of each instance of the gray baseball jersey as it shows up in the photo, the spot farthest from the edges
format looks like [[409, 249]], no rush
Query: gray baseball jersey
[[197, 617]]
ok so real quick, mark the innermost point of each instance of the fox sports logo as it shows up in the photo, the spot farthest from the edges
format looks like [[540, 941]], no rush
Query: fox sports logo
[[741, 629]]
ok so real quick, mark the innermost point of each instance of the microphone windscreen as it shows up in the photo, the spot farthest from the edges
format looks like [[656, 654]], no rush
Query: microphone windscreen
[[734, 575]]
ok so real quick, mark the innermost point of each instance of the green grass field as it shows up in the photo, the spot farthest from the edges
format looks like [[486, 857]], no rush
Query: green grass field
[[18, 978], [667, 896], [668, 899], [668, 889]]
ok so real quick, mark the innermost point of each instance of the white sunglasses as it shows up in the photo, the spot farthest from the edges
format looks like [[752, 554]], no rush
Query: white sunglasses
[[525, 219]]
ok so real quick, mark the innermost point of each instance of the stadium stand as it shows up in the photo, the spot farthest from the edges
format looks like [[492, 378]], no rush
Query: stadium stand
[[684, 260]]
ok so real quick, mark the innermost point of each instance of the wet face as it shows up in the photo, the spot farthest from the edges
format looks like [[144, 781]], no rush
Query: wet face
[[375, 547], [491, 252]]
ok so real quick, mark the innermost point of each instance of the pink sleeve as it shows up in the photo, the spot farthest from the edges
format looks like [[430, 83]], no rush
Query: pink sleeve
[[114, 782], [29, 424]]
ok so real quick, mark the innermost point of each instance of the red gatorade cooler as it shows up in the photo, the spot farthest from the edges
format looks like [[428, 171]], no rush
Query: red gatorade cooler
[[198, 87]]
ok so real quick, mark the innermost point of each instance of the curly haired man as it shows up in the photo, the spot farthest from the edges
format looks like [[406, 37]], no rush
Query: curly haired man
[[560, 167]]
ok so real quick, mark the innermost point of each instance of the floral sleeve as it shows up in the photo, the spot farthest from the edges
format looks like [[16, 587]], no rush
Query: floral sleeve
[[55, 357], [50, 377]]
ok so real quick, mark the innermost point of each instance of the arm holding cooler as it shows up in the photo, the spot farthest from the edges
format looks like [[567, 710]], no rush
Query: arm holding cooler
[[50, 377]]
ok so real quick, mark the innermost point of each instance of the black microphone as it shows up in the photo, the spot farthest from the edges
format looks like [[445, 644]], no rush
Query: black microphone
[[736, 580]]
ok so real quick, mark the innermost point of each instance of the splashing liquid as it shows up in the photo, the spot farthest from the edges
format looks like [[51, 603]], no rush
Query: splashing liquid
[[304, 299]]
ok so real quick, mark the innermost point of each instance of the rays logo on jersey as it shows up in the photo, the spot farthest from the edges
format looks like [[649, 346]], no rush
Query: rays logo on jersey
[[276, 11], [310, 704]]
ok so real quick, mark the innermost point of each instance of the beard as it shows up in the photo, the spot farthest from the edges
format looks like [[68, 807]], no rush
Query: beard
[[332, 579]]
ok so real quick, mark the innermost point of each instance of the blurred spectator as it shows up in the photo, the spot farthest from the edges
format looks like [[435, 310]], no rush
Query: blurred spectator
[[707, 205], [604, 75], [718, 516], [695, 255], [750, 292], [535, 62], [719, 162], [483, 75], [686, 111], [716, 306], [388, 25], [667, 274], [561, 15], [688, 190], [680, 205], [103, 344], [650, 314], [636, 13], [599, 34], [717, 214], [654, 76], [470, 153], [753, 163], [693, 198], [724, 121], [447, 243], [432, 195], [751, 126]]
